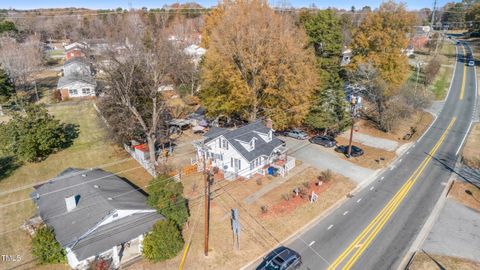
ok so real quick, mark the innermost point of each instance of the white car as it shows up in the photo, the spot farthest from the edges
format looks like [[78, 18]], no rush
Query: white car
[[471, 63]]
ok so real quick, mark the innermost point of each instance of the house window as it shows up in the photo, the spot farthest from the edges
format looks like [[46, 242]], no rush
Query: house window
[[86, 91], [252, 165], [236, 164], [73, 92], [225, 144]]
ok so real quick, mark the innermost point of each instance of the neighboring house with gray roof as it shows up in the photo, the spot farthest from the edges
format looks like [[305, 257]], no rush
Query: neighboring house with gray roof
[[77, 66], [243, 152], [95, 214], [77, 85]]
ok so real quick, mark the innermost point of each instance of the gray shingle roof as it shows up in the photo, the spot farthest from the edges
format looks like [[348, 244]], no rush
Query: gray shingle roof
[[101, 193], [64, 81], [246, 134], [77, 60]]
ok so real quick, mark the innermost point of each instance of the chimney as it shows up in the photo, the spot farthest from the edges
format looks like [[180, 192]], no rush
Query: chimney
[[71, 202], [269, 123]]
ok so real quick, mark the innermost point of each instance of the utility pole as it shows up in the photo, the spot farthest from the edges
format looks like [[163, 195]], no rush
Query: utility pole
[[433, 15], [206, 177], [354, 100]]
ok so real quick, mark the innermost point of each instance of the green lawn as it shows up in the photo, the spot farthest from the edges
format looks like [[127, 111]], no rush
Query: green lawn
[[441, 83], [90, 149]]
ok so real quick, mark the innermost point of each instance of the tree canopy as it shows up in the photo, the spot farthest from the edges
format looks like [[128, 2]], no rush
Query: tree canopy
[[380, 40], [35, 135], [166, 195], [256, 65], [45, 247], [6, 86], [328, 106], [164, 242]]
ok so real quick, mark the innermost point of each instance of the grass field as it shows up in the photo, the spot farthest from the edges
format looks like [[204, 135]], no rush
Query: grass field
[[442, 81], [91, 149], [471, 150], [423, 261]]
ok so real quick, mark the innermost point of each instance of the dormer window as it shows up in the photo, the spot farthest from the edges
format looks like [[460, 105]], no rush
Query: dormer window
[[270, 135], [252, 144]]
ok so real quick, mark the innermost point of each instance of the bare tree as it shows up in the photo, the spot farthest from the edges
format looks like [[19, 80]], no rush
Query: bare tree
[[20, 60], [133, 80]]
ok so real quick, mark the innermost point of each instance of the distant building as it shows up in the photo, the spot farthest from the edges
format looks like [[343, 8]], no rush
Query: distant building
[[95, 214], [76, 86], [77, 66], [76, 49], [195, 52]]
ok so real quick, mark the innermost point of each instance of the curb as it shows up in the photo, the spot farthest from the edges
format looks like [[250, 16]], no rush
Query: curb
[[427, 227]]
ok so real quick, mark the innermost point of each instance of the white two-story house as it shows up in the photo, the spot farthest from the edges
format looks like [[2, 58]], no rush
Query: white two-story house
[[241, 152]]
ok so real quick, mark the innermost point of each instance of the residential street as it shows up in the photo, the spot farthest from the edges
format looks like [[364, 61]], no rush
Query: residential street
[[375, 228]]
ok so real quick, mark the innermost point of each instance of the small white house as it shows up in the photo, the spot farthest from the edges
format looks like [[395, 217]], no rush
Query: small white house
[[195, 52], [77, 86], [95, 214], [244, 151]]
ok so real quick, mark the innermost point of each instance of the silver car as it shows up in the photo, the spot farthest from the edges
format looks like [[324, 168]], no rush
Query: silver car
[[297, 134]]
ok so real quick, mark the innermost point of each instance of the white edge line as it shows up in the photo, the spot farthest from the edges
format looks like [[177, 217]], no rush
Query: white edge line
[[464, 137]]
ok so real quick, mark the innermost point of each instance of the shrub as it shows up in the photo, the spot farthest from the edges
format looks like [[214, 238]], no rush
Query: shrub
[[264, 209], [45, 248], [56, 96], [166, 195], [306, 184], [191, 100], [164, 242], [431, 70], [325, 176], [35, 135], [286, 196]]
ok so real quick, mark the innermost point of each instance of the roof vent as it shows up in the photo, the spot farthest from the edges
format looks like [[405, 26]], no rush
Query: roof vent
[[109, 198], [95, 186]]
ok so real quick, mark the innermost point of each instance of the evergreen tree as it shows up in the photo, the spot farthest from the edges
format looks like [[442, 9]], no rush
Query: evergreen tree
[[6, 87], [164, 242], [166, 196], [328, 110], [45, 247]]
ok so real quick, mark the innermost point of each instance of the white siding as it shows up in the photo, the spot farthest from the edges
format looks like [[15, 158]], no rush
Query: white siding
[[221, 157], [80, 89]]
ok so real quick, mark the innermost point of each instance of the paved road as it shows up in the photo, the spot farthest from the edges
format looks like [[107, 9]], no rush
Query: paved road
[[375, 228]]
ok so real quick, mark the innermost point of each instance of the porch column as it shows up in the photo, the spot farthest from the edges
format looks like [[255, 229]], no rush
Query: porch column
[[115, 258]]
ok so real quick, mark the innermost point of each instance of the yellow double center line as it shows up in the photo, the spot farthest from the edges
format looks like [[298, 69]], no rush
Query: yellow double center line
[[363, 240]]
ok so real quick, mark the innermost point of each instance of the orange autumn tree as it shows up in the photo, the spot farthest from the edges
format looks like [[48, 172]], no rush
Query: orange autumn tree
[[257, 64], [378, 46]]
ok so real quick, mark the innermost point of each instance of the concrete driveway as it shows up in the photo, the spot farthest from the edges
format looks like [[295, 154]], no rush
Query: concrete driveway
[[323, 158]]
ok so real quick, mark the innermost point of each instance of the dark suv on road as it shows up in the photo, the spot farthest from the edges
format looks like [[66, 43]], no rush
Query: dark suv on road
[[282, 258]]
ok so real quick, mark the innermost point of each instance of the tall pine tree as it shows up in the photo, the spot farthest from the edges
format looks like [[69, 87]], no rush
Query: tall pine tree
[[328, 110]]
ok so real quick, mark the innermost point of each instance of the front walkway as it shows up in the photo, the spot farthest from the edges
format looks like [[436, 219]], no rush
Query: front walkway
[[372, 141]]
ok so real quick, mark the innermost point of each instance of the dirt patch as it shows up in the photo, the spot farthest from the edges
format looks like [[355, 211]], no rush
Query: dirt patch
[[419, 120], [373, 158], [466, 194], [423, 261], [260, 231], [471, 150]]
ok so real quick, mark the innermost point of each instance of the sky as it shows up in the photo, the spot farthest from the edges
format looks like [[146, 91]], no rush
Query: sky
[[109, 4]]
